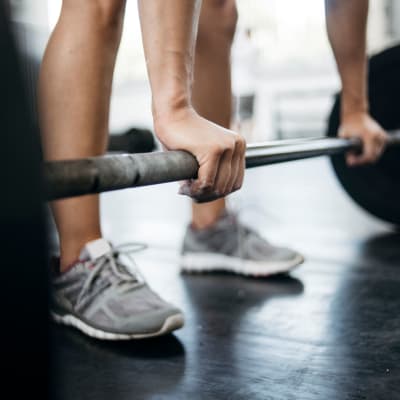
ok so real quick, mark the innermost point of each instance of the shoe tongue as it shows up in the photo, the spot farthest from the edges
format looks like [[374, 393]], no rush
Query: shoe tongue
[[95, 249]]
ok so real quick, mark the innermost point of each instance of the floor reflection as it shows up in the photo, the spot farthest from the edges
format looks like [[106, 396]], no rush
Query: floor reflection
[[216, 334], [365, 327], [383, 248]]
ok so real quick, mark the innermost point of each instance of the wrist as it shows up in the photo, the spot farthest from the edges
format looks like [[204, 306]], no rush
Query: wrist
[[351, 105], [350, 111], [169, 104], [171, 86], [169, 111]]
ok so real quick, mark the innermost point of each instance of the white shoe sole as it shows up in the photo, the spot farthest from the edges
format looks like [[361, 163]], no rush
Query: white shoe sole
[[209, 262], [172, 323]]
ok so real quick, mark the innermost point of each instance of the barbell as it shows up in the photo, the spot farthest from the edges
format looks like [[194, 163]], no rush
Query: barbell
[[134, 140], [376, 188]]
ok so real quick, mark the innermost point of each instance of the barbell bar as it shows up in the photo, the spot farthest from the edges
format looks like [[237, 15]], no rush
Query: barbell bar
[[113, 172], [281, 142]]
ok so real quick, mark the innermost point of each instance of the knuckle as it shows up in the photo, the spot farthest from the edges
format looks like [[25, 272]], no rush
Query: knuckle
[[377, 137], [218, 150], [241, 144], [231, 144], [236, 141], [238, 138]]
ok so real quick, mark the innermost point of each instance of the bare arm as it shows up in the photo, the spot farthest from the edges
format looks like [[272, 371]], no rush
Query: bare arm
[[347, 24], [169, 35]]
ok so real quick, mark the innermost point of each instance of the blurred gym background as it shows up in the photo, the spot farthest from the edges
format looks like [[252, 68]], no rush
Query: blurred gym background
[[281, 63], [281, 59]]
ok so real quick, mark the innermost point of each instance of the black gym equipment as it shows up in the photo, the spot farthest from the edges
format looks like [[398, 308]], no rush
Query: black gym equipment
[[376, 188], [134, 140], [24, 335]]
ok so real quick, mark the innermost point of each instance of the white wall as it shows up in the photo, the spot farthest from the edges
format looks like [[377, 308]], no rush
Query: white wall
[[288, 32], [393, 17]]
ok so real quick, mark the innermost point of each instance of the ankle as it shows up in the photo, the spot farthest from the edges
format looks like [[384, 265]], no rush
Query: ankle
[[66, 264], [70, 251], [206, 221], [206, 215]]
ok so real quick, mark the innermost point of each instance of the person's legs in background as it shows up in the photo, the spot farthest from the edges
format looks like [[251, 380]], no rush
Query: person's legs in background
[[212, 82], [215, 239], [74, 98]]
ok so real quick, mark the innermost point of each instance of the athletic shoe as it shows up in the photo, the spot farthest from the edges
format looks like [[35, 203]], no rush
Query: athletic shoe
[[231, 246], [101, 297]]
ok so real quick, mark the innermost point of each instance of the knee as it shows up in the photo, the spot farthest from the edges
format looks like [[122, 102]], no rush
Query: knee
[[106, 14], [218, 21]]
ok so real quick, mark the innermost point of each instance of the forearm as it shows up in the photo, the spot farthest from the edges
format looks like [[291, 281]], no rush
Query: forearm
[[169, 29], [346, 24]]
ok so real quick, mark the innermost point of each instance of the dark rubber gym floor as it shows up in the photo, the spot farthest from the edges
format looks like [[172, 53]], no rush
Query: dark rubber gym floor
[[330, 330]]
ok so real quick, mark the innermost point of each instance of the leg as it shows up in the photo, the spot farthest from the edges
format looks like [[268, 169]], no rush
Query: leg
[[215, 241], [212, 82], [75, 87]]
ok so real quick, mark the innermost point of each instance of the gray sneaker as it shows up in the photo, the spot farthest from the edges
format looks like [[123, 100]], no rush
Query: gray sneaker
[[103, 299], [230, 246]]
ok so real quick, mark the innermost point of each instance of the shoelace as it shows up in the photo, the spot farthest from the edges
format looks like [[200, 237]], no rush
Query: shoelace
[[130, 279]]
